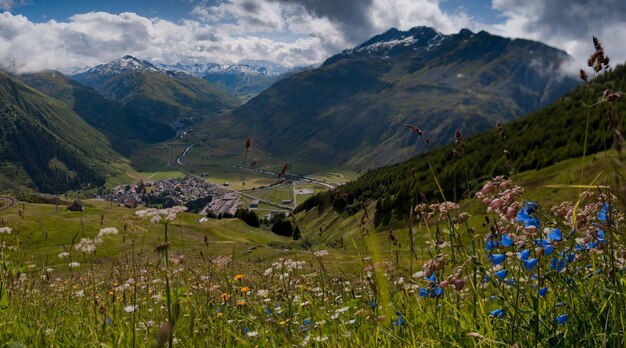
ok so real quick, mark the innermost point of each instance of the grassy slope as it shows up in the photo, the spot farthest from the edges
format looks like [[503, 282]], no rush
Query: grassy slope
[[45, 232]]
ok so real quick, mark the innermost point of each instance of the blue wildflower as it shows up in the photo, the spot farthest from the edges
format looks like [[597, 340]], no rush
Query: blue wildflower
[[569, 258], [107, 321], [557, 264], [600, 236], [507, 241], [511, 281], [555, 235], [498, 313], [502, 274], [562, 319], [543, 291], [548, 249], [436, 291], [399, 321], [524, 254], [580, 247], [423, 292], [432, 278], [245, 330], [530, 263], [307, 322], [542, 242], [267, 311], [487, 279], [496, 259], [560, 304], [602, 214], [373, 304], [525, 215], [492, 244]]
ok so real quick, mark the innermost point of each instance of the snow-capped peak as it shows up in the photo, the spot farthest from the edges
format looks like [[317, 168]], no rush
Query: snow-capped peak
[[201, 70], [126, 63]]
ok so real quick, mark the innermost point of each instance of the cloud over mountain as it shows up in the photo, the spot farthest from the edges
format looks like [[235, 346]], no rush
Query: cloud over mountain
[[290, 32]]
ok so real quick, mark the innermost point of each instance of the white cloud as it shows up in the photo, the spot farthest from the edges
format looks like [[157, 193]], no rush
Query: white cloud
[[8, 5], [566, 24], [290, 32]]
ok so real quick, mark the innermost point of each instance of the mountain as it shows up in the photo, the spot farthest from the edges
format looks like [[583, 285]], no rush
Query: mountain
[[539, 140], [351, 111], [241, 80], [107, 116], [45, 145], [153, 98]]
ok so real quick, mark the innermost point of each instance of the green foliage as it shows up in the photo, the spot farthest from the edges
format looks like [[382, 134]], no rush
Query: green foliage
[[248, 216]]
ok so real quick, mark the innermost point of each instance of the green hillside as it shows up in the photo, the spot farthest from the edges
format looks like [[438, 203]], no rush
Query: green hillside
[[107, 116], [550, 135], [45, 145]]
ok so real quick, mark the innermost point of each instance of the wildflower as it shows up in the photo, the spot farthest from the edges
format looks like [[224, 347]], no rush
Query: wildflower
[[432, 278], [80, 293], [524, 254], [507, 241], [501, 274], [529, 264], [86, 245], [557, 264], [130, 308], [542, 292], [241, 303], [498, 313], [64, 255], [548, 249], [73, 264], [496, 259], [252, 333], [562, 319], [262, 293], [224, 297], [5, 230], [555, 235], [320, 253], [239, 277], [602, 214], [244, 289], [525, 215]]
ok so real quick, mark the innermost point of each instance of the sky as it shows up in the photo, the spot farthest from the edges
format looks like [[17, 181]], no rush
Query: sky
[[49, 34]]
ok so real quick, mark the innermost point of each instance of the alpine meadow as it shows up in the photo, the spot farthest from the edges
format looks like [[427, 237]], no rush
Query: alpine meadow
[[272, 173]]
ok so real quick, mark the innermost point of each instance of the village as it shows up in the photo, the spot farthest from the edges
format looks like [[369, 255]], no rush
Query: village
[[193, 192]]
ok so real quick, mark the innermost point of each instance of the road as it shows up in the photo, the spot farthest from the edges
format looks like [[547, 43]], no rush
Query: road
[[10, 202]]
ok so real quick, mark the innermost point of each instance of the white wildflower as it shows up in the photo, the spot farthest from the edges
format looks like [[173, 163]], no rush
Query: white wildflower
[[80, 293], [64, 255], [73, 265], [262, 293], [130, 308], [5, 230], [252, 333], [86, 245], [320, 253]]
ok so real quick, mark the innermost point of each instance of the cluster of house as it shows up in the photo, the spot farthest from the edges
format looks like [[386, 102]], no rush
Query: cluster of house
[[167, 192]]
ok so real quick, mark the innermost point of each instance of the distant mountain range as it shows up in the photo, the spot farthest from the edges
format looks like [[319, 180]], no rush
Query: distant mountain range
[[156, 99], [352, 111], [241, 80]]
